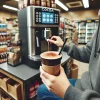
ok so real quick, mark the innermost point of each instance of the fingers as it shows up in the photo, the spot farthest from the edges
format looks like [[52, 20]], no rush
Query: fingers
[[46, 78], [46, 75], [47, 84], [54, 37], [52, 41]]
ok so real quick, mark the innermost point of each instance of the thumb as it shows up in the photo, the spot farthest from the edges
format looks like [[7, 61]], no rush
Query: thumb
[[62, 71]]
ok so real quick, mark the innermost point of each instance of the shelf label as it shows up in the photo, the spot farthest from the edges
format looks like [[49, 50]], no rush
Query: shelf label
[[89, 21]]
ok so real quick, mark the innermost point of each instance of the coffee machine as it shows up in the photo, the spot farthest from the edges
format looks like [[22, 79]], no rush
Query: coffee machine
[[36, 25]]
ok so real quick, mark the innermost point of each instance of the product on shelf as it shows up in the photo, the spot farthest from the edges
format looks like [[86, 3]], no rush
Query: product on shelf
[[86, 29], [36, 83], [3, 57], [48, 3], [25, 3], [4, 96], [3, 43], [82, 32], [32, 91], [90, 26], [14, 89], [12, 30], [32, 2], [44, 3], [68, 30], [33, 88], [14, 56], [20, 4], [3, 32]]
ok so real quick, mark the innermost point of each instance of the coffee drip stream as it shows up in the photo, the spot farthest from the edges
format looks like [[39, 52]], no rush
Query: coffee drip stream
[[48, 46]]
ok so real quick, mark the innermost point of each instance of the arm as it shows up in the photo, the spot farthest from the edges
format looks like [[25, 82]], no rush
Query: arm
[[60, 86], [74, 94], [80, 53]]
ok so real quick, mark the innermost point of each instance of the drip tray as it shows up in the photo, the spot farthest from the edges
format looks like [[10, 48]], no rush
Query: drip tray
[[35, 57]]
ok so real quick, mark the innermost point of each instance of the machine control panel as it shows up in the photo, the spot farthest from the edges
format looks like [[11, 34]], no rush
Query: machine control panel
[[46, 16]]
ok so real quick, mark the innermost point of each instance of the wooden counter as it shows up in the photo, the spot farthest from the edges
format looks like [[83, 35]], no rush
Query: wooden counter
[[24, 75]]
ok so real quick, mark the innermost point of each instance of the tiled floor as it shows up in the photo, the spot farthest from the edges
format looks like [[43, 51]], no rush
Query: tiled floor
[[82, 67]]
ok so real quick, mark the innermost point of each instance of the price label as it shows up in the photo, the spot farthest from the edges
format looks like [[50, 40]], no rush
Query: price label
[[89, 21]]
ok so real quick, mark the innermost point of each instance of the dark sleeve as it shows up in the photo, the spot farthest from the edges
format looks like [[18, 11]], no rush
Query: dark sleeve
[[74, 94], [80, 53]]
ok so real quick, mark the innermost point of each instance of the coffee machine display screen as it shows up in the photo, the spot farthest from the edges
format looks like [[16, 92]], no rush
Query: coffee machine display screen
[[46, 16]]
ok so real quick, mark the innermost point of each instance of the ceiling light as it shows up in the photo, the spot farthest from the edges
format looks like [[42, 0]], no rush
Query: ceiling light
[[86, 3], [61, 5], [16, 0], [9, 7]]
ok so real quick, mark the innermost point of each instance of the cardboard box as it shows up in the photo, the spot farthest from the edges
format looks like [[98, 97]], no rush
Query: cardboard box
[[14, 90], [74, 71], [4, 80], [4, 97]]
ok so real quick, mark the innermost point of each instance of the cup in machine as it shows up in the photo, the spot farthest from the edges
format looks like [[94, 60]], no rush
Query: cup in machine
[[41, 44]]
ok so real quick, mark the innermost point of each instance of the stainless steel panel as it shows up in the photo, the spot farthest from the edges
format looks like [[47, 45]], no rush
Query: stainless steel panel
[[31, 41]]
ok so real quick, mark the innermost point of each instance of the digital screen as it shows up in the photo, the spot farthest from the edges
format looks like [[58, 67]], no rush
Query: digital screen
[[47, 18]]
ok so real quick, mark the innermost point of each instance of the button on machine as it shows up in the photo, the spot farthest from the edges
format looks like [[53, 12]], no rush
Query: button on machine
[[47, 16]]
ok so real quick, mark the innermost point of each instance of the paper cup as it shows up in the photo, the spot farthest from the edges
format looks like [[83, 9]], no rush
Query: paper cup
[[51, 62]]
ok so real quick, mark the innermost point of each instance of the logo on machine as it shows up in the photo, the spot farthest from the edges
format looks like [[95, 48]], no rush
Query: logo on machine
[[46, 9]]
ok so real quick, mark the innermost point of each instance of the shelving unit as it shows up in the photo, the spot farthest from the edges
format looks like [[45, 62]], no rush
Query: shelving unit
[[90, 27], [82, 32], [86, 29], [61, 28], [5, 95], [3, 43], [96, 25], [68, 30], [12, 28], [8, 88], [24, 82]]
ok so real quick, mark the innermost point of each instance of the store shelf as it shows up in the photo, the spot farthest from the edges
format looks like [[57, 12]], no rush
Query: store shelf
[[82, 37], [82, 32], [90, 28], [2, 90], [68, 29], [87, 27]]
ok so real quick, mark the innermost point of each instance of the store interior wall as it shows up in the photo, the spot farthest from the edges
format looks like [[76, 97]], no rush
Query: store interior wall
[[81, 15]]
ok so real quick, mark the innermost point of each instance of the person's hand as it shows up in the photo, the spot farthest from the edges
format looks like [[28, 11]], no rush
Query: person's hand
[[56, 84], [56, 40]]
